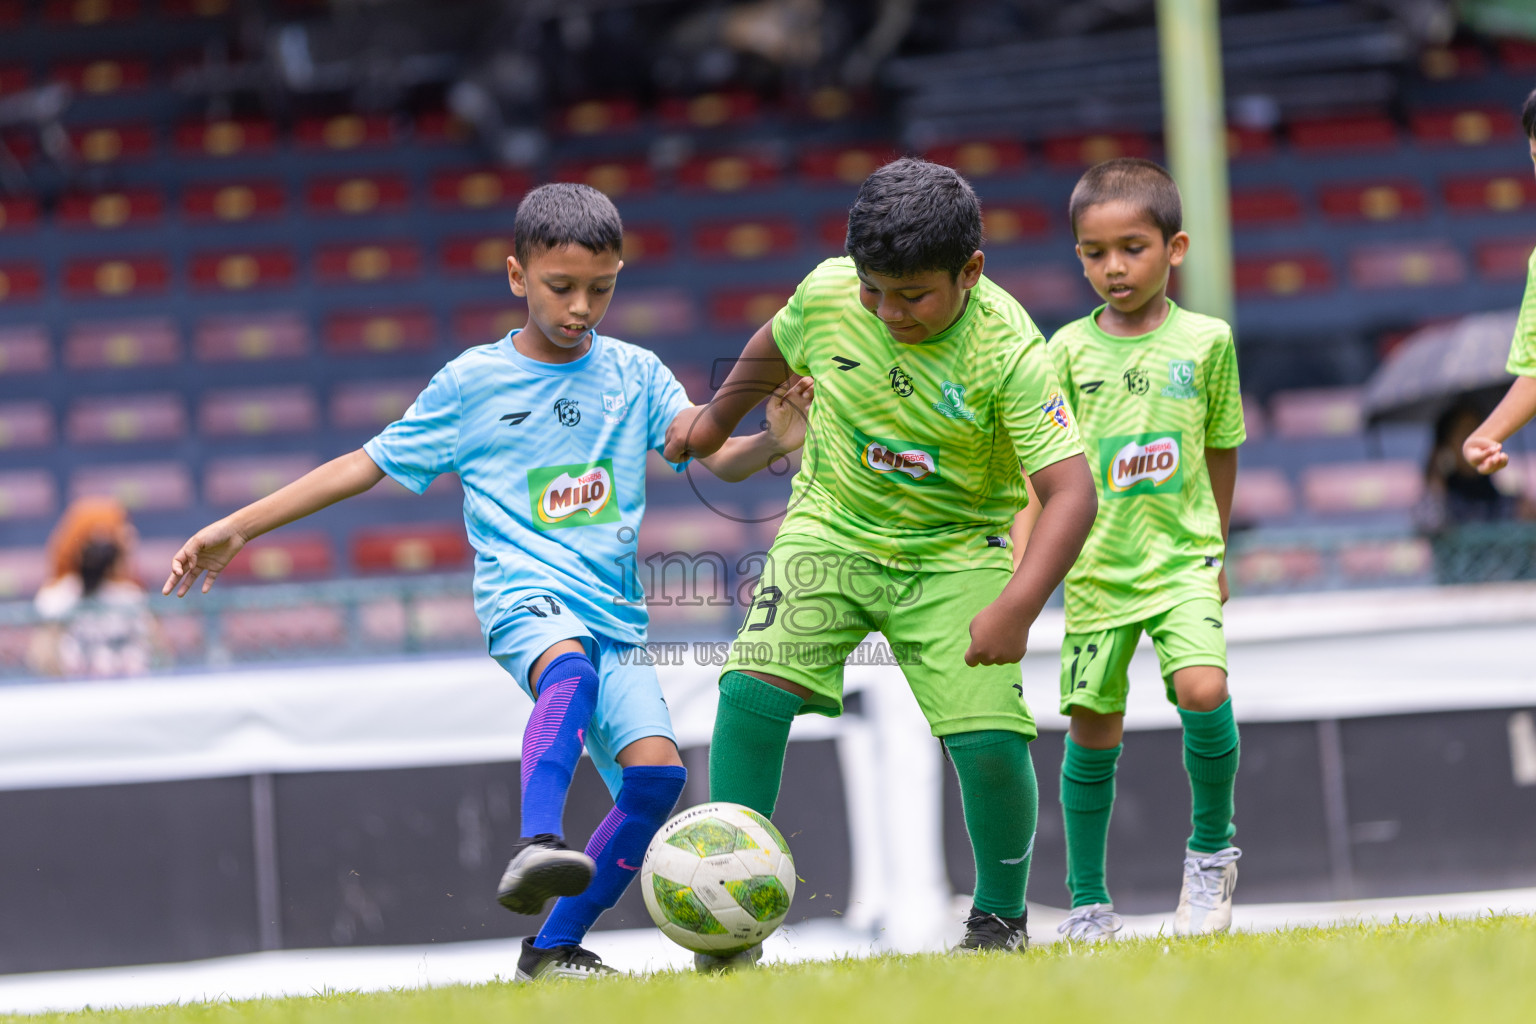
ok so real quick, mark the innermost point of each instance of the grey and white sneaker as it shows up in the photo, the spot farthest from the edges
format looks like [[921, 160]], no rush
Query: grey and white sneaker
[[708, 963], [537, 964], [1205, 901], [987, 932], [1095, 922], [542, 867]]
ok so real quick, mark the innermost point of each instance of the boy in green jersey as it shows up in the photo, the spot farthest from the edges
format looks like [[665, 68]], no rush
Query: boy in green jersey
[[932, 389], [1155, 391], [1485, 448]]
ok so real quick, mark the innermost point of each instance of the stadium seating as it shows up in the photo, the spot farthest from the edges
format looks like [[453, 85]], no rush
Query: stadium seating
[[1321, 412], [283, 556], [24, 349], [125, 419], [1355, 487], [410, 548], [28, 494], [121, 344], [26, 424], [258, 412], [141, 487], [233, 481]]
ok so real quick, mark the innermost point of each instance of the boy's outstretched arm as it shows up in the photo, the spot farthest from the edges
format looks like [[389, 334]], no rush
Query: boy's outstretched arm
[[1068, 504], [1485, 448], [211, 548], [703, 429], [740, 457], [1221, 464]]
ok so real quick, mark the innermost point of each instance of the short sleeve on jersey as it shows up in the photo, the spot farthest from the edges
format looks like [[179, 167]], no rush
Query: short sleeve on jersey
[[1522, 353], [665, 397], [419, 446], [789, 329], [1224, 427], [1035, 411]]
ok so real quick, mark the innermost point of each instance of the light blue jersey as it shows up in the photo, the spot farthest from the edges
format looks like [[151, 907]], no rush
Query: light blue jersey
[[551, 457]]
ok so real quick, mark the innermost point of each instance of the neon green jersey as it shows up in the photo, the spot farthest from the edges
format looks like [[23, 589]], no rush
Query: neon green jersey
[[1148, 407], [1522, 354], [912, 455]]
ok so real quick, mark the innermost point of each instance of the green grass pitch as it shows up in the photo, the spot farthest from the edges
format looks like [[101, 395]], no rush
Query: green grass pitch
[[1440, 972]]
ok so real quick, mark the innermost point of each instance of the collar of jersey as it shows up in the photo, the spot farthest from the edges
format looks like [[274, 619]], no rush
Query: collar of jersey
[[1103, 335], [966, 316], [522, 362]]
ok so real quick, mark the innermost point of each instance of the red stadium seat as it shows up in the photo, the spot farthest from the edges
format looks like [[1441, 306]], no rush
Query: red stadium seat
[[20, 145], [1268, 568], [746, 240], [832, 232], [483, 325], [345, 132], [357, 195], [195, 8], [243, 479], [369, 332], [22, 571], [14, 78], [281, 556], [430, 620], [440, 127], [708, 110], [1047, 288], [233, 202], [242, 270], [242, 337], [17, 214], [1464, 126], [1282, 274], [1074, 151], [982, 158], [125, 419], [1382, 201], [258, 412], [12, 13], [729, 172], [1387, 561], [138, 275], [645, 244], [1268, 205], [1263, 495], [24, 348], [1007, 223], [1517, 54], [1247, 143], [368, 262], [1442, 63], [846, 165], [104, 76], [141, 487], [106, 144], [283, 631], [1316, 412], [28, 494], [372, 404], [478, 189], [90, 12], [119, 344], [598, 117], [477, 254], [422, 548], [131, 207], [613, 178], [650, 312], [1322, 135], [1406, 265], [1505, 259], [830, 103], [734, 309], [1346, 487], [227, 138], [27, 424], [19, 282], [1497, 193]]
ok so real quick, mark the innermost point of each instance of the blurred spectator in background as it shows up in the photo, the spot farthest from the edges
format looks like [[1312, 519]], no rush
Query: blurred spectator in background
[[96, 619], [1454, 492]]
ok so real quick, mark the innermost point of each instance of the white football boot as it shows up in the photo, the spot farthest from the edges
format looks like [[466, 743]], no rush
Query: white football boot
[[1096, 922], [1205, 901], [572, 962]]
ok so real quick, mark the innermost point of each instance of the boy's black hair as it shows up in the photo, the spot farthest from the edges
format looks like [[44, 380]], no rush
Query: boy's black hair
[[911, 216], [1133, 180], [565, 213], [1528, 115]]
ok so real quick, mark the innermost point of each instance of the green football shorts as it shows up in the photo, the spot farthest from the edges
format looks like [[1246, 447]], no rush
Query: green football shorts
[[815, 606], [1094, 665]]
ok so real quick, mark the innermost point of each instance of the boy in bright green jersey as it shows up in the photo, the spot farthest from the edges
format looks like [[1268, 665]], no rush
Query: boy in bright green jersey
[[932, 389], [1155, 392], [1485, 448]]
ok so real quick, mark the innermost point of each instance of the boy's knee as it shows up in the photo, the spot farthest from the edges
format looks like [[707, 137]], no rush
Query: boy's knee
[[1200, 687], [650, 750], [1094, 731]]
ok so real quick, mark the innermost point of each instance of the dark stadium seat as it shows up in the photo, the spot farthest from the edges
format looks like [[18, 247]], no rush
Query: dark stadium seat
[[746, 240], [708, 110], [1007, 223], [17, 214], [137, 275], [368, 262], [344, 132], [614, 178], [1339, 488], [419, 548], [1404, 559], [112, 143], [1316, 412], [1443, 63], [477, 254], [646, 244], [1505, 259], [258, 412], [1277, 567], [442, 128], [282, 556], [1434, 262], [125, 419], [372, 404], [119, 344], [370, 332], [90, 12], [1282, 274], [195, 8], [233, 202], [25, 424], [640, 314], [28, 494], [105, 211], [238, 270], [843, 165], [1379, 201], [24, 348], [729, 172], [1463, 126], [481, 324], [734, 309], [252, 337], [478, 188], [1331, 134], [240, 480], [598, 117], [141, 487], [19, 282], [1517, 54], [226, 138], [1494, 193], [103, 76], [1275, 204], [357, 195], [981, 158], [22, 572], [14, 78], [1074, 151]]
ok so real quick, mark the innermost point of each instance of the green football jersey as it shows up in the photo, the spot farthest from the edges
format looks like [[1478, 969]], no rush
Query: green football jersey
[[912, 454], [1522, 353], [1148, 407]]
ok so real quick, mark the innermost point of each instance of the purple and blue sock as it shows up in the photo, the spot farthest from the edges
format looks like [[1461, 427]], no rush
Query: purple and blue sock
[[552, 741], [646, 797]]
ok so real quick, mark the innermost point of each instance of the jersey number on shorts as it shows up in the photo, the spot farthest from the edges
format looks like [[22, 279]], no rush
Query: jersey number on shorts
[[1077, 653], [532, 607], [768, 600]]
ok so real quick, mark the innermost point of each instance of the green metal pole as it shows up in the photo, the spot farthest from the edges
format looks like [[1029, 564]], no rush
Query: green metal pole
[[1195, 127]]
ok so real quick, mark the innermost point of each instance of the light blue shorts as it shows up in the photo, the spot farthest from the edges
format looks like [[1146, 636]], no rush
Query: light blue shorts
[[630, 706]]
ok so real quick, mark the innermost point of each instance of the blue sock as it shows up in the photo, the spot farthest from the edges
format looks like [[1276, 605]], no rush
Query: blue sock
[[646, 797], [552, 741]]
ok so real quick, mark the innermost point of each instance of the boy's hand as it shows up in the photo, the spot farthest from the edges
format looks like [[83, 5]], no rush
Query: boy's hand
[[1485, 454], [692, 434], [996, 636], [786, 413], [208, 551]]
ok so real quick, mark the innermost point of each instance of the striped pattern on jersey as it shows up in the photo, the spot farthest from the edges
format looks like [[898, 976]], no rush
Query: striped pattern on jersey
[[1522, 353]]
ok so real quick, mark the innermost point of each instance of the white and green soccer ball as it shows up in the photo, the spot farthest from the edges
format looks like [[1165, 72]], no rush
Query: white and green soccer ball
[[718, 878]]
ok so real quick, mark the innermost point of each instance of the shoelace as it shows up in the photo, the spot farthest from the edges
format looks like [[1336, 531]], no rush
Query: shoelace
[[1089, 922], [583, 959], [1203, 874]]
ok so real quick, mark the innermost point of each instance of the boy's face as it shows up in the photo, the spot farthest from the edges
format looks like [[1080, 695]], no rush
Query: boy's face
[[1533, 151], [914, 309], [568, 290], [1124, 255]]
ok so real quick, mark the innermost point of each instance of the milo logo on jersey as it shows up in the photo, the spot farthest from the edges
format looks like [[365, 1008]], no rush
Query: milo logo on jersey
[[578, 495], [1142, 464], [902, 461]]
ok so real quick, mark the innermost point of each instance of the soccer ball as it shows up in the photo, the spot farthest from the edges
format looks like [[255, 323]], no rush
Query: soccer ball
[[718, 878]]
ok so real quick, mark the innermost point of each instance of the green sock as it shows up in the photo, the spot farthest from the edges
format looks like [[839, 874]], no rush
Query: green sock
[[746, 754], [1210, 757], [1001, 801], [1087, 798]]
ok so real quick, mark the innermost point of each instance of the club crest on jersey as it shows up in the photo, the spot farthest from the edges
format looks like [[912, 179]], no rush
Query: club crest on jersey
[[1056, 411], [1142, 464], [567, 412], [898, 460], [1181, 379], [576, 495], [901, 383], [614, 406], [953, 406]]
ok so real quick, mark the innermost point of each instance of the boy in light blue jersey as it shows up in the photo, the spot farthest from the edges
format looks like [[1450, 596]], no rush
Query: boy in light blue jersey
[[548, 430]]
